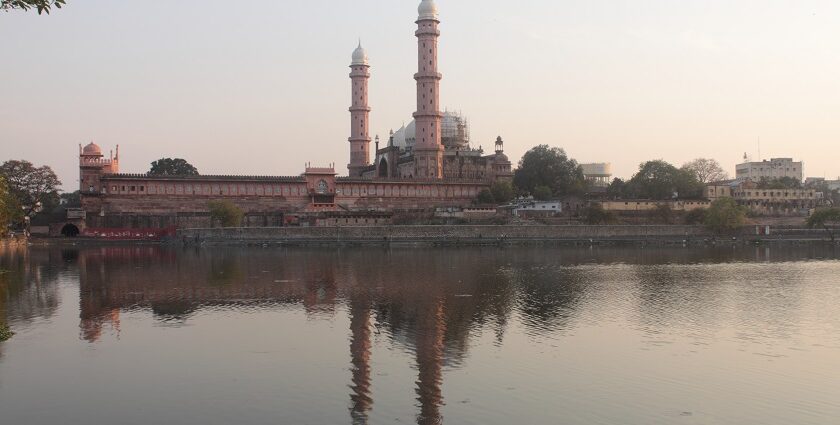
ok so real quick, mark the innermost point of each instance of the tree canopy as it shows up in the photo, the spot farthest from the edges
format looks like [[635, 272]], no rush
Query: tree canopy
[[172, 167], [823, 217], [551, 168], [779, 183], [660, 180], [706, 170], [9, 208], [42, 6], [226, 213], [30, 185], [725, 215]]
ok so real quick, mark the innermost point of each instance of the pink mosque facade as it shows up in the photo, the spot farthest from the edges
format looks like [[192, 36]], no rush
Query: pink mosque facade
[[421, 175]]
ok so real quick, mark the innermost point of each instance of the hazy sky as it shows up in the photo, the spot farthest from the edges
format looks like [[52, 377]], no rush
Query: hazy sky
[[261, 87]]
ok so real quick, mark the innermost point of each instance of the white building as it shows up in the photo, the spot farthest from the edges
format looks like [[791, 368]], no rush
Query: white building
[[773, 169]]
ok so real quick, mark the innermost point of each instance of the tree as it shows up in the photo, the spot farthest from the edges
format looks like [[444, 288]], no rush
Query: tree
[[725, 215], [172, 167], [9, 209], [823, 217], [551, 168], [33, 188], [617, 189], [596, 214], [695, 216], [662, 214], [706, 170], [779, 183], [42, 6], [485, 197], [502, 191], [660, 180], [226, 213], [542, 193]]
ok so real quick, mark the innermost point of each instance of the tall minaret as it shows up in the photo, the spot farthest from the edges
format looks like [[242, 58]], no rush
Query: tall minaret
[[359, 114], [428, 150]]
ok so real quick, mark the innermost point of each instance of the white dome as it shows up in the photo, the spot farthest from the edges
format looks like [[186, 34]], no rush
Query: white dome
[[360, 56], [427, 10]]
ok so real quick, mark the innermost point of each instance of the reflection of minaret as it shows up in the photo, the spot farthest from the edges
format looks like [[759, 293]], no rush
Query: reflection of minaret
[[430, 334], [360, 346], [428, 151]]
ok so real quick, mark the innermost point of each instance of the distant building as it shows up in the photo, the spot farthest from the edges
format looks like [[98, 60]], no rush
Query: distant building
[[780, 202], [642, 205], [530, 208], [775, 168], [598, 174], [819, 181]]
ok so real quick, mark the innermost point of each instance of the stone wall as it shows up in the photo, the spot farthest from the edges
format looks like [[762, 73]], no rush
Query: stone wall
[[441, 233]]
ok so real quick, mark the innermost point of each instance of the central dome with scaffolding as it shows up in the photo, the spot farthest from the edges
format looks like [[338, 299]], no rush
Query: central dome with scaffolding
[[455, 133]]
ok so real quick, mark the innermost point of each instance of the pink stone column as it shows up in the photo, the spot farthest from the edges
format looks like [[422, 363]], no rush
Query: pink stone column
[[428, 150], [359, 114]]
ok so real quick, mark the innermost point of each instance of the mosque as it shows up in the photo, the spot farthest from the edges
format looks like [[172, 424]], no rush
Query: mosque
[[427, 164]]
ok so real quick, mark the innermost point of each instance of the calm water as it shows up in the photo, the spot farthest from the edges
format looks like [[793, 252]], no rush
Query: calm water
[[149, 335]]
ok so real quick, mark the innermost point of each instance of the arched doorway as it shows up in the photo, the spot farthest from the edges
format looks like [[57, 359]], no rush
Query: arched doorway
[[383, 168], [70, 230]]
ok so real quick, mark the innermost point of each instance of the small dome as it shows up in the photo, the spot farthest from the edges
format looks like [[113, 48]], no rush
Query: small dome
[[427, 10], [360, 56], [92, 149], [501, 158]]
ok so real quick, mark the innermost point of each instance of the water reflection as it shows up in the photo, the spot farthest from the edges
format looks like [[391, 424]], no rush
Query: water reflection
[[430, 303]]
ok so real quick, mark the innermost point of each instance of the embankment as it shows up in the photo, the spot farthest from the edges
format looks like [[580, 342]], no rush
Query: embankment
[[445, 235]]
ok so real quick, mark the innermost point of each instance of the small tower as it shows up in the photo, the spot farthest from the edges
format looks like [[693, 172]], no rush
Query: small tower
[[93, 165], [359, 114], [428, 150]]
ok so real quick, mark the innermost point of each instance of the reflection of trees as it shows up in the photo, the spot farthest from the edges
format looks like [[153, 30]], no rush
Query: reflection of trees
[[28, 284]]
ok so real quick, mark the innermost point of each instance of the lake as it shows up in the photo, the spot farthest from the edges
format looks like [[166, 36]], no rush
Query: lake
[[142, 334]]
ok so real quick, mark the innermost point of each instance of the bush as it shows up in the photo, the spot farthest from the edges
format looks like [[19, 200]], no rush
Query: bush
[[662, 214], [696, 216], [226, 213], [596, 214], [485, 197], [725, 215], [502, 191]]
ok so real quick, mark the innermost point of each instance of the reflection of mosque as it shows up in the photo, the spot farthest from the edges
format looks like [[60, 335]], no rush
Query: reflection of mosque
[[430, 317], [430, 302]]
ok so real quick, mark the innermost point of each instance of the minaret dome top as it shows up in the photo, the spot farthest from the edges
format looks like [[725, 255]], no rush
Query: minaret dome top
[[360, 56], [427, 10]]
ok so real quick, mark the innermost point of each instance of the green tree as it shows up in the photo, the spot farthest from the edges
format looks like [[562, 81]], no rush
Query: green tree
[[9, 209], [502, 191], [725, 215], [660, 180], [696, 216], [706, 170], [823, 217], [595, 214], [662, 214], [779, 183], [551, 168], [542, 193], [42, 6], [226, 213], [33, 188], [485, 197], [172, 167], [617, 189]]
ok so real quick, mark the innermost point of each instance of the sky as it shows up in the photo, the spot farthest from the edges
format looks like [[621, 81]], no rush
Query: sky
[[262, 87]]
